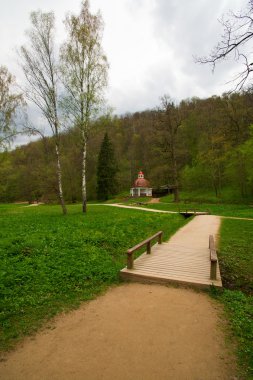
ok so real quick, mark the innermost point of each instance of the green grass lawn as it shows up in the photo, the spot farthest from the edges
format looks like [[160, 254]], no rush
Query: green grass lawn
[[167, 204], [228, 195], [51, 262], [236, 254], [235, 210], [236, 263]]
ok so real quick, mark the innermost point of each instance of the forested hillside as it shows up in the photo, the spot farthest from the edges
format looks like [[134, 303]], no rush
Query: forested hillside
[[204, 144]]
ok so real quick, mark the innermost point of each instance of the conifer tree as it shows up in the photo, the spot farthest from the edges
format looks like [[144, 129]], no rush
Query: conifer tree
[[106, 170]]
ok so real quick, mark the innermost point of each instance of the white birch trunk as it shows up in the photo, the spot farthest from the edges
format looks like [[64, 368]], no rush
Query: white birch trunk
[[59, 177], [84, 191]]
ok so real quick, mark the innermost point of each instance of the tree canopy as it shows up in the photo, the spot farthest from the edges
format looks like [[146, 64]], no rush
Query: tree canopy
[[38, 61], [10, 102], [84, 74], [213, 149]]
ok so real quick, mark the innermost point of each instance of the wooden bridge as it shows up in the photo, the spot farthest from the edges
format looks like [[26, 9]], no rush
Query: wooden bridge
[[189, 257]]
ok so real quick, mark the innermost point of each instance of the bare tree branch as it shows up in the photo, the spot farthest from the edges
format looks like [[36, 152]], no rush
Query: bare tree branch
[[236, 37]]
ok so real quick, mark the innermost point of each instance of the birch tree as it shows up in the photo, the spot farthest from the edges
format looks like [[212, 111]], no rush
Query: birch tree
[[10, 102], [84, 74], [38, 60]]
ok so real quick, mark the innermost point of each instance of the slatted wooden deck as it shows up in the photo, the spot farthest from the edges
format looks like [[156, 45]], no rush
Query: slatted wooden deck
[[181, 260]]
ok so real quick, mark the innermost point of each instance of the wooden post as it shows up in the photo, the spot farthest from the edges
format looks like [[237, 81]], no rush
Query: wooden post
[[130, 261], [147, 242], [211, 242], [213, 270], [213, 258]]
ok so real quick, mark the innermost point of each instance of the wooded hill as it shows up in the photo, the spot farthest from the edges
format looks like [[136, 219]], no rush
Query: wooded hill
[[204, 144]]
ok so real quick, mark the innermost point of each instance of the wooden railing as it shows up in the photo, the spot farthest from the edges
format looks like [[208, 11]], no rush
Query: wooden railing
[[147, 242], [213, 258]]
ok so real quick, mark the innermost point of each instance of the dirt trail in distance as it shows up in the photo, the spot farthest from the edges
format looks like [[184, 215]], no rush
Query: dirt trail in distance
[[132, 332], [154, 200]]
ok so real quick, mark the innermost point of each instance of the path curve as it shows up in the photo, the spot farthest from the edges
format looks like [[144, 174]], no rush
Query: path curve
[[133, 207], [133, 332], [161, 211]]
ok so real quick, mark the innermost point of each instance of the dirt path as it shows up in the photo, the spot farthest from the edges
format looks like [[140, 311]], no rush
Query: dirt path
[[133, 207], [154, 200], [33, 204], [133, 332], [161, 211]]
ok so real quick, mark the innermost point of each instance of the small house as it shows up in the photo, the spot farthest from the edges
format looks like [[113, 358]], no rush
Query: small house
[[141, 187]]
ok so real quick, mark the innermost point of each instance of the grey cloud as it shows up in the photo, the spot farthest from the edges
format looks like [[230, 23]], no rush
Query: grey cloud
[[192, 28], [178, 31], [184, 29]]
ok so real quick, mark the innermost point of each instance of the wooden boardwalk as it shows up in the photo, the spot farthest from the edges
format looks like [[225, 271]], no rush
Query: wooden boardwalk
[[184, 259]]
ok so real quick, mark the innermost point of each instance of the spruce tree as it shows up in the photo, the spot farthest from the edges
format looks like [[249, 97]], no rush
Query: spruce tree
[[106, 170]]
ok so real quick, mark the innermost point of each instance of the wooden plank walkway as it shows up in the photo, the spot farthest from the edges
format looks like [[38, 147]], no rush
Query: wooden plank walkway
[[184, 259]]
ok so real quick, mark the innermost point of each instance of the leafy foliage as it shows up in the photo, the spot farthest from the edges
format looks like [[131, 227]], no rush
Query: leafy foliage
[[10, 102], [38, 61], [213, 150], [84, 74]]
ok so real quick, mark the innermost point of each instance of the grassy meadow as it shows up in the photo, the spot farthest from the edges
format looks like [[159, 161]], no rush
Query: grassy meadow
[[236, 264], [223, 209], [240, 211], [51, 262], [198, 202]]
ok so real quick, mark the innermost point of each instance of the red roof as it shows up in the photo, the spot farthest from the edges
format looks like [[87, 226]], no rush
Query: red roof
[[141, 182]]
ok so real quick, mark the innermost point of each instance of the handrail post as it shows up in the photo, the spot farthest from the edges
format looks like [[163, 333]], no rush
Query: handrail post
[[211, 242], [213, 258], [213, 270], [130, 261], [147, 242]]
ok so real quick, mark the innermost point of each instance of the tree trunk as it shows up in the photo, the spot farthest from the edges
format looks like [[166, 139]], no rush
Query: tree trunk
[[59, 177], [176, 194], [215, 187], [84, 192], [175, 175]]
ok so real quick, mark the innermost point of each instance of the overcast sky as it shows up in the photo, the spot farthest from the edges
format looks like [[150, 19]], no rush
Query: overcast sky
[[149, 44]]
